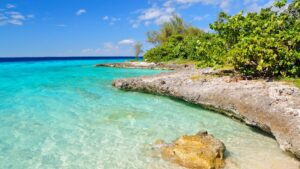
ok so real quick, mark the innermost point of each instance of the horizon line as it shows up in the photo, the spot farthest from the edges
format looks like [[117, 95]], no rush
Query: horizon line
[[62, 58], [65, 56]]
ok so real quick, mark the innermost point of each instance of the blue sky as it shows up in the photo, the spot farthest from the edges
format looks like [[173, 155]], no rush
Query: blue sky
[[98, 27]]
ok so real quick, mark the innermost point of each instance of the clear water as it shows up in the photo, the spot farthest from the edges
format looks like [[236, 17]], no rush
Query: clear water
[[66, 114]]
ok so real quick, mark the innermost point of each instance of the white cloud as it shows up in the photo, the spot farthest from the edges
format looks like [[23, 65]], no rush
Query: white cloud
[[150, 13], [30, 16], [15, 22], [111, 19], [227, 5], [16, 15], [8, 17], [108, 46], [80, 12], [136, 25], [106, 18], [158, 12], [119, 48], [200, 18], [154, 15], [223, 4], [255, 6], [127, 42], [107, 49], [90, 51], [10, 6]]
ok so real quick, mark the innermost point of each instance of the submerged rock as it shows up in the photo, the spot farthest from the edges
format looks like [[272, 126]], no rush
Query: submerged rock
[[200, 151]]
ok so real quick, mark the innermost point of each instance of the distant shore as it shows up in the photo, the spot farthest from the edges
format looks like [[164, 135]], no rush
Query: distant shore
[[147, 65], [57, 58], [273, 107]]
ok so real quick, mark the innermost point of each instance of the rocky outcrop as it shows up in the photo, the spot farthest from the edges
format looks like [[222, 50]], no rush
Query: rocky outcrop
[[147, 65], [271, 106], [200, 151]]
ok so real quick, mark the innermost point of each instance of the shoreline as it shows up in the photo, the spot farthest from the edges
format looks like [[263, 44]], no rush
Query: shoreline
[[270, 106], [147, 65]]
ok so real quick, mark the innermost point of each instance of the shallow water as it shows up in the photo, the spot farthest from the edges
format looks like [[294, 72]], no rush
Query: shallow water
[[66, 114]]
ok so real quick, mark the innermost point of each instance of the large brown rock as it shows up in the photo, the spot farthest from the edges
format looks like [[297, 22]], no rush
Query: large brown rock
[[200, 151]]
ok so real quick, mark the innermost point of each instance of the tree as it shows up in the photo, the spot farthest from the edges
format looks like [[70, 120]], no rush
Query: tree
[[264, 43], [175, 26], [138, 49]]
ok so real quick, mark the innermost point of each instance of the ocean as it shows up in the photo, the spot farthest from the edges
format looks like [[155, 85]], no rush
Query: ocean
[[64, 113]]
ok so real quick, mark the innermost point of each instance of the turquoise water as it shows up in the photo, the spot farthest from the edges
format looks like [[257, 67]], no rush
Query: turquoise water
[[66, 114]]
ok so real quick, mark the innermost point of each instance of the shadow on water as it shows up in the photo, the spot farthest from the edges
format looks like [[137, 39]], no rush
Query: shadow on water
[[252, 128], [261, 132], [213, 110]]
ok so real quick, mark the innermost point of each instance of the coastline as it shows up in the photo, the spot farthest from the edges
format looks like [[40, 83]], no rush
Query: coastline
[[147, 65], [270, 106]]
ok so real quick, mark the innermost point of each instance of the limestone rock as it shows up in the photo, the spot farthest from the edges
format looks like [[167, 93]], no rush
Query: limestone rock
[[200, 151], [273, 107]]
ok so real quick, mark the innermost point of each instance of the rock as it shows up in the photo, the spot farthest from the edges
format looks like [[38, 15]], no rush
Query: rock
[[200, 151], [147, 65], [271, 106]]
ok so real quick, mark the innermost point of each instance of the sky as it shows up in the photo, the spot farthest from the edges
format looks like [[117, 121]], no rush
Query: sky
[[32, 28]]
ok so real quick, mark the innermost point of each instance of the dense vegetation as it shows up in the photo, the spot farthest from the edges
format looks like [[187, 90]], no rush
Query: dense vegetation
[[264, 43]]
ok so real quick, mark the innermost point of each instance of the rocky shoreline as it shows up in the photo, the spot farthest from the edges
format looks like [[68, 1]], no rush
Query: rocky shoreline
[[147, 65], [273, 107]]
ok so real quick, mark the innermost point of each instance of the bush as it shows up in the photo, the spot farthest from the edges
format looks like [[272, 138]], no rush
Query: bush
[[157, 54], [262, 56], [211, 51], [265, 43], [177, 47]]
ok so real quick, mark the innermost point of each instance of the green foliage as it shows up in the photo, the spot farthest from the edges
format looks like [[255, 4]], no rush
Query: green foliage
[[280, 4], [176, 26], [265, 43], [176, 47], [292, 81], [211, 51], [157, 54]]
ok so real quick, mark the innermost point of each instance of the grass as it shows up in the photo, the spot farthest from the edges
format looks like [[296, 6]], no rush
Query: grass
[[202, 77], [181, 61], [293, 81], [224, 67]]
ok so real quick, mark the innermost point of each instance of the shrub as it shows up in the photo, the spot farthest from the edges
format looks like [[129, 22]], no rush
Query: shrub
[[211, 51], [177, 47], [266, 43], [157, 54]]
